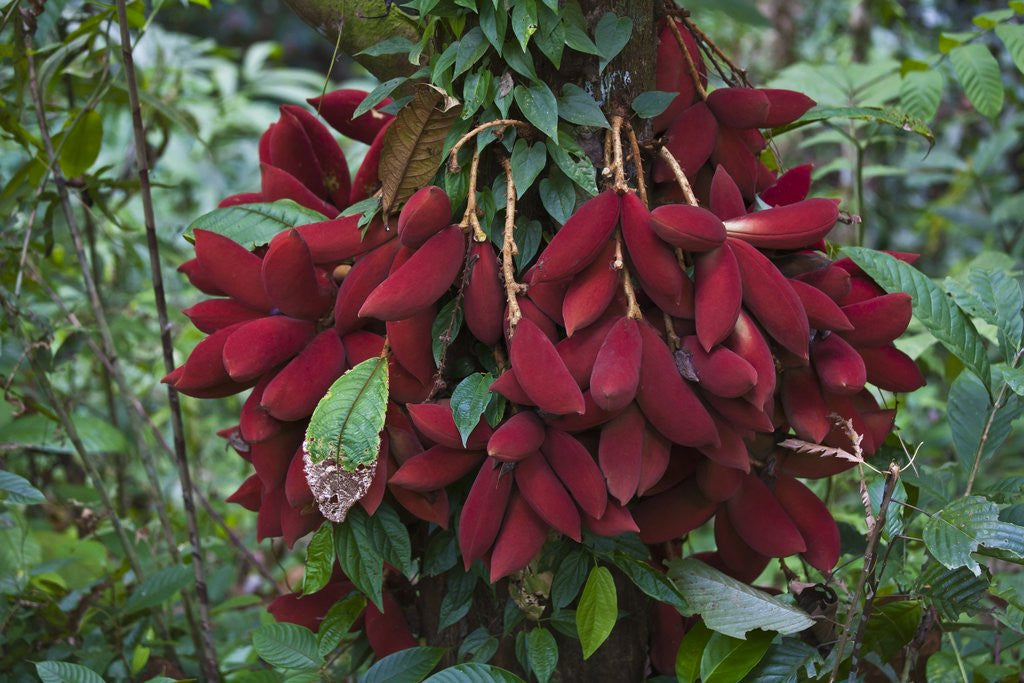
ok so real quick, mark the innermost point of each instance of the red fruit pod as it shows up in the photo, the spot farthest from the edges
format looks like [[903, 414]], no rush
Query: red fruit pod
[[290, 278], [299, 386], [620, 453], [718, 294], [739, 107], [790, 187], [726, 200], [688, 227], [420, 281], [375, 494], [214, 314], [741, 413], [272, 457], [682, 465], [296, 488], [288, 147], [667, 401], [721, 372], [654, 461], [804, 405], [435, 468], [309, 611], [667, 631], [747, 341], [330, 160], [878, 321], [541, 372], [200, 278], [431, 507], [522, 536], [368, 271], [268, 519], [241, 198], [717, 482], [579, 241], [812, 518], [879, 424], [761, 521], [341, 239], [672, 514], [254, 423], [616, 372], [576, 468], [545, 493], [591, 291], [426, 213], [366, 182], [822, 312], [742, 562], [732, 150], [411, 343], [547, 296], [387, 631], [249, 494], [484, 297], [615, 522], [785, 107], [731, 451], [435, 422], [232, 269], [204, 367], [403, 441], [338, 106], [853, 269], [262, 344], [839, 436], [278, 184], [592, 416], [508, 386], [794, 226], [809, 466], [516, 438], [535, 315], [691, 139], [672, 73], [889, 368], [579, 352], [654, 261], [298, 522], [833, 281], [839, 367], [858, 290]]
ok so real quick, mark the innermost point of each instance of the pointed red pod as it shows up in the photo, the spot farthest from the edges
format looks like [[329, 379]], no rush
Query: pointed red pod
[[812, 518], [805, 407], [717, 482], [547, 296], [214, 314], [421, 280], [403, 441], [620, 453], [365, 182], [232, 269], [654, 261], [332, 178], [532, 313], [833, 281], [721, 372], [580, 240], [790, 187], [591, 291], [338, 106], [671, 514], [435, 422], [809, 466], [249, 494], [691, 140], [732, 151], [277, 184], [435, 468], [541, 372], [254, 423], [860, 289], [369, 270], [309, 610], [616, 372], [672, 73], [545, 493], [411, 343], [516, 438], [762, 522], [508, 386], [296, 488], [688, 227], [839, 367], [889, 368], [297, 523], [593, 416], [718, 294], [204, 367], [667, 401], [268, 519], [786, 106], [731, 451], [290, 278], [739, 107], [259, 345], [241, 198], [768, 296], [579, 352], [387, 631], [741, 413], [822, 312], [878, 321], [615, 522], [426, 213], [484, 297], [794, 226], [341, 239], [879, 424], [747, 340], [726, 199], [743, 562], [521, 538], [431, 507], [299, 386], [200, 278], [272, 457], [375, 494], [576, 468], [682, 465], [853, 269]]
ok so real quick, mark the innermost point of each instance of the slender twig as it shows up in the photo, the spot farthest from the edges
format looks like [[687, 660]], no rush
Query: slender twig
[[691, 66], [453, 160], [632, 307], [469, 218], [618, 165], [703, 38], [983, 441], [959, 660], [509, 250], [641, 181], [207, 651], [674, 342], [680, 176]]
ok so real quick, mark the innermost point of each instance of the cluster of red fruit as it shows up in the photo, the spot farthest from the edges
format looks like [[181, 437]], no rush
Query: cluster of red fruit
[[646, 410]]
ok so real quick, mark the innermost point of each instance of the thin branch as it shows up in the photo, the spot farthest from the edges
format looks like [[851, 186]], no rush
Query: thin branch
[[641, 181], [509, 250], [632, 307], [703, 37], [691, 66], [469, 218], [618, 166], [983, 441], [681, 179], [453, 155]]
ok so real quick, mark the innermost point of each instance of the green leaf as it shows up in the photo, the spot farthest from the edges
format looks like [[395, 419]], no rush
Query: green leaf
[[66, 672], [558, 196], [479, 645], [347, 421], [931, 306], [391, 538], [395, 45], [286, 646], [158, 587], [79, 145], [987, 20], [968, 410], [577, 106], [458, 598], [690, 653], [338, 621], [980, 77], [895, 118], [576, 29], [319, 559], [18, 489], [377, 95], [649, 104], [524, 21], [579, 170], [611, 35], [1012, 36], [494, 24], [445, 329], [472, 46], [539, 106], [519, 61], [920, 93], [891, 627], [469, 400], [551, 37], [742, 11], [359, 556], [894, 511], [731, 607], [405, 666], [542, 653], [569, 578], [951, 591], [252, 225], [995, 297], [527, 234], [527, 163], [598, 610], [728, 660], [474, 672], [476, 91], [957, 530], [789, 661], [649, 580]]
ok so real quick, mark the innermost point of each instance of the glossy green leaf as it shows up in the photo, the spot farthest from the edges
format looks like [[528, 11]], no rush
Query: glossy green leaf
[[995, 297], [649, 104], [66, 672], [395, 45], [346, 424], [457, 600], [951, 591], [921, 92], [891, 117], [469, 400], [477, 91], [473, 672], [558, 196], [338, 621], [524, 21], [1012, 36], [359, 556], [319, 559], [527, 163], [158, 587], [653, 583], [494, 24], [405, 666], [79, 145], [391, 538], [789, 661], [957, 530], [980, 77], [19, 490], [577, 106], [252, 225], [539, 106], [377, 95], [471, 47], [286, 646], [541, 653], [969, 406], [580, 170], [598, 610], [690, 653], [569, 578], [728, 660], [611, 35]]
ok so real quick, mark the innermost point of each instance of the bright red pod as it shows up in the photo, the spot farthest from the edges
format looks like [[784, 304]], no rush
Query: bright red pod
[[522, 536], [672, 73], [338, 106], [340, 239], [726, 198], [204, 367], [804, 405], [812, 518], [368, 271], [739, 107], [593, 416], [254, 423], [435, 468], [790, 187], [330, 166], [748, 341], [654, 461], [214, 314], [768, 296], [435, 422], [810, 466], [822, 312], [889, 368], [761, 521], [667, 400], [833, 281], [232, 268], [431, 507], [366, 182], [299, 386], [541, 372], [290, 278], [672, 514], [375, 494], [411, 343], [268, 519], [688, 227], [615, 522], [795, 226], [718, 295], [579, 352], [591, 291], [547, 296], [272, 457], [743, 562], [721, 372], [517, 437], [741, 413], [249, 494], [839, 367], [860, 289], [878, 321], [277, 184], [580, 240], [576, 468], [260, 345], [786, 106], [732, 449], [535, 315], [426, 213], [296, 488], [853, 269], [655, 262], [879, 423], [545, 493], [616, 373], [387, 631], [717, 482], [484, 297], [691, 139], [421, 280], [732, 151], [508, 386], [200, 278], [620, 453], [847, 409]]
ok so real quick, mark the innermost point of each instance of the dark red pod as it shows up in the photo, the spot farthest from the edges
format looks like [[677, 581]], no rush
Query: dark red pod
[[290, 278], [741, 413], [425, 214], [296, 488], [762, 522], [790, 187], [254, 423], [731, 450], [368, 271], [435, 468], [671, 514], [299, 386], [578, 242], [672, 73], [822, 312], [718, 294], [654, 461], [653, 260], [889, 368], [786, 106], [435, 422], [579, 352], [576, 468], [691, 140], [878, 321], [541, 372], [215, 314], [508, 386], [812, 518], [517, 437], [484, 297], [716, 481], [341, 239], [232, 268], [839, 367], [411, 343], [522, 536], [272, 457], [620, 453], [539, 486], [743, 562], [804, 405], [375, 494], [200, 278], [739, 107], [591, 291], [276, 183], [732, 150], [338, 106], [204, 367], [366, 182], [616, 371], [249, 494], [431, 507], [615, 522], [259, 345], [721, 372], [726, 199], [328, 175], [688, 227], [387, 631], [794, 226]]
